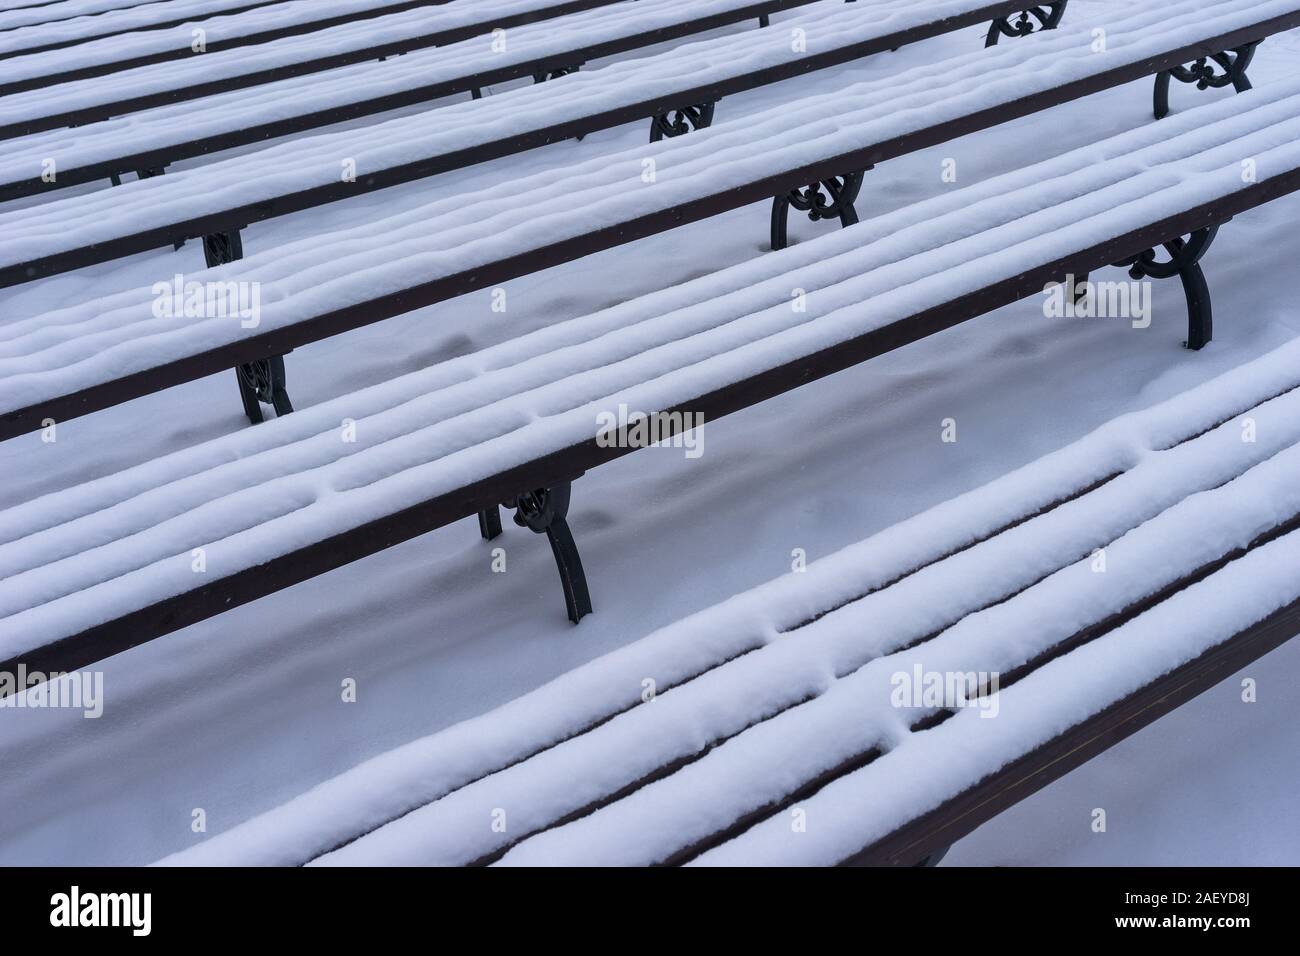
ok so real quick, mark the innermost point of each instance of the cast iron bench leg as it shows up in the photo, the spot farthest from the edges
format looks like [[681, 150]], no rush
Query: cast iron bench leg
[[1184, 262], [1044, 16], [262, 382], [544, 512], [489, 523], [821, 200], [680, 122], [1233, 63]]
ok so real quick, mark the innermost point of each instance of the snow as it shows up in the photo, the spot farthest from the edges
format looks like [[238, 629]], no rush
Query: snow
[[359, 34], [869, 113], [1182, 501], [829, 25], [79, 20], [426, 443], [240, 714], [64, 351], [193, 75], [869, 803], [20, 13]]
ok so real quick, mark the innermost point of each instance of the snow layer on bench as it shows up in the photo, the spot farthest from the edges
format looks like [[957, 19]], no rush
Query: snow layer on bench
[[764, 144], [61, 352], [358, 35], [91, 554], [84, 19], [392, 784], [785, 746], [525, 43], [829, 25], [930, 767], [21, 13]]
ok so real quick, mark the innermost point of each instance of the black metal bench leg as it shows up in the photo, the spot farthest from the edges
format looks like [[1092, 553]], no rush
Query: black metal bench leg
[[1080, 290], [489, 523], [673, 123], [1233, 65], [1185, 262], [263, 382], [1043, 16], [1200, 309], [835, 197], [544, 512], [248, 395]]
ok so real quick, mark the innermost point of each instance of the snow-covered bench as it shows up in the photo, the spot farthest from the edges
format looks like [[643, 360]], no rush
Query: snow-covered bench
[[315, 58], [374, 28], [910, 111], [106, 566], [69, 22], [25, 13], [834, 32], [469, 241], [889, 699]]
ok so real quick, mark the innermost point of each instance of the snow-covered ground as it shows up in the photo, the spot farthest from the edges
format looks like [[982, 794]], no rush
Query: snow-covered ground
[[241, 713]]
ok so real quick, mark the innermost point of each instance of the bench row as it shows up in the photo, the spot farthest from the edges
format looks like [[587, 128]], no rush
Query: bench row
[[78, 103], [833, 33], [90, 356], [97, 569], [400, 25], [791, 724], [58, 25]]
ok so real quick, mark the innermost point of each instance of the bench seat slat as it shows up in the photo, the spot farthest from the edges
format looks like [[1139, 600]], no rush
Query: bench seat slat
[[854, 715], [540, 400]]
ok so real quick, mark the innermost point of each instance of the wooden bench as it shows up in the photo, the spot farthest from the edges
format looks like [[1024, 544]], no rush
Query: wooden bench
[[786, 726], [317, 44], [97, 569], [835, 32], [38, 30], [473, 241], [82, 102], [24, 13]]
